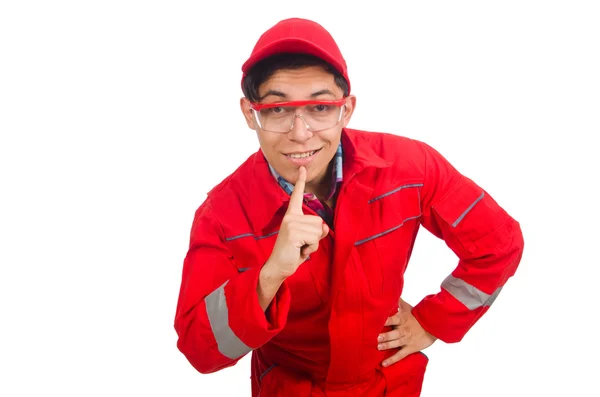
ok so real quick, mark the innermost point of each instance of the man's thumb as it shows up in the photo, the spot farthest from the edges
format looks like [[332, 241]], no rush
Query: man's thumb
[[403, 306], [325, 231]]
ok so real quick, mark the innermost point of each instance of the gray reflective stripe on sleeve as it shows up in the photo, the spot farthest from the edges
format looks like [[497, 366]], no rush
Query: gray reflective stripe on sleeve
[[468, 295], [460, 218], [218, 315]]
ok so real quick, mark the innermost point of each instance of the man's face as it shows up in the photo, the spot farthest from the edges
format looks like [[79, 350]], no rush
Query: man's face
[[310, 83]]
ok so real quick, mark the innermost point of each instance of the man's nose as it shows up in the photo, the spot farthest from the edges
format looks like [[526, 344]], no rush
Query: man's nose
[[299, 130]]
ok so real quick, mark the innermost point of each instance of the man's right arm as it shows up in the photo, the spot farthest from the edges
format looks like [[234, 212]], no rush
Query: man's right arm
[[223, 314]]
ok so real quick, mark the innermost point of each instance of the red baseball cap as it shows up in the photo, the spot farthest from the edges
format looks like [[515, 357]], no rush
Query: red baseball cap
[[296, 35]]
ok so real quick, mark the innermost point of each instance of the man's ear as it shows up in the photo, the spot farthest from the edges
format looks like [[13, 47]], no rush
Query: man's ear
[[248, 113], [349, 110]]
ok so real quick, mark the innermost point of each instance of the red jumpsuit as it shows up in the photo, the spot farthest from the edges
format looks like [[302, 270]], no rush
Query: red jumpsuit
[[319, 335]]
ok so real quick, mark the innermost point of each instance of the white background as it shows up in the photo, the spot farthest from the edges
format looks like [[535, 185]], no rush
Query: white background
[[117, 117]]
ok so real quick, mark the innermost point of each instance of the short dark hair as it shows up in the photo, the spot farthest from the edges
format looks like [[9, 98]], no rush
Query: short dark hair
[[266, 67]]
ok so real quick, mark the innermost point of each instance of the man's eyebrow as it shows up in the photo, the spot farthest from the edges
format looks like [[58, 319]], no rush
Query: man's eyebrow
[[322, 92], [273, 92], [284, 96]]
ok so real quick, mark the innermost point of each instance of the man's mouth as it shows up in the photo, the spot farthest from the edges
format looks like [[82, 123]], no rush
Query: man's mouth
[[301, 155]]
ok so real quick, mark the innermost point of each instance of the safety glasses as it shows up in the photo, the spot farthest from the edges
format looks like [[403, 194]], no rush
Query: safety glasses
[[317, 116]]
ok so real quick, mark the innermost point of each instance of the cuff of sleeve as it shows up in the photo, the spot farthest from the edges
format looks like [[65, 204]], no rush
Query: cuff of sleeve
[[246, 318], [445, 317]]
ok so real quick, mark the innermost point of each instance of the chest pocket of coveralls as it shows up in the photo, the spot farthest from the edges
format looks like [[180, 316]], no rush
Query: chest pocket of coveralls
[[387, 237]]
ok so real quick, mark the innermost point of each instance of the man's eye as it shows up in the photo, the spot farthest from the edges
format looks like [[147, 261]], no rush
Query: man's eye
[[276, 110]]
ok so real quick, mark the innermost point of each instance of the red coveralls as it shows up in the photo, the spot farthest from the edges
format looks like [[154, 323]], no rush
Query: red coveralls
[[319, 335]]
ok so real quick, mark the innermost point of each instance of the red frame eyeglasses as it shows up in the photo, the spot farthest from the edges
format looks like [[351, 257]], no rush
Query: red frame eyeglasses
[[260, 106]]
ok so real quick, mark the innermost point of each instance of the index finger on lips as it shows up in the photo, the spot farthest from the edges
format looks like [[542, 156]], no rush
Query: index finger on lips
[[297, 196]]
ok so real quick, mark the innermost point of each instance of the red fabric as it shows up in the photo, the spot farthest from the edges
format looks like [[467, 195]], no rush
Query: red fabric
[[300, 36], [320, 333]]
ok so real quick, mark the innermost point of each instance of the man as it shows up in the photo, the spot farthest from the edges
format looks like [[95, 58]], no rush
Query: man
[[299, 255]]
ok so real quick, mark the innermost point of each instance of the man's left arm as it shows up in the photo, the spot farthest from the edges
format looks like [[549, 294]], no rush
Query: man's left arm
[[486, 239], [488, 243]]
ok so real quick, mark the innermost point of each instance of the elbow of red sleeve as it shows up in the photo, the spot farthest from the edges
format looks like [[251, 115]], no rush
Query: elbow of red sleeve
[[195, 355], [229, 323], [197, 344], [203, 362], [449, 316], [513, 251], [519, 243]]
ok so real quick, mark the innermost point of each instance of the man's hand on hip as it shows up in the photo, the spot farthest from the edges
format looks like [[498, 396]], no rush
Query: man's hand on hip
[[407, 335]]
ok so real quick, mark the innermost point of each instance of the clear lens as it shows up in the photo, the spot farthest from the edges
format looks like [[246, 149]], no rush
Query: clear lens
[[316, 117]]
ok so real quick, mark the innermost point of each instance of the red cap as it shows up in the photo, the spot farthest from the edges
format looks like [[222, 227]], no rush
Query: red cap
[[299, 36]]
